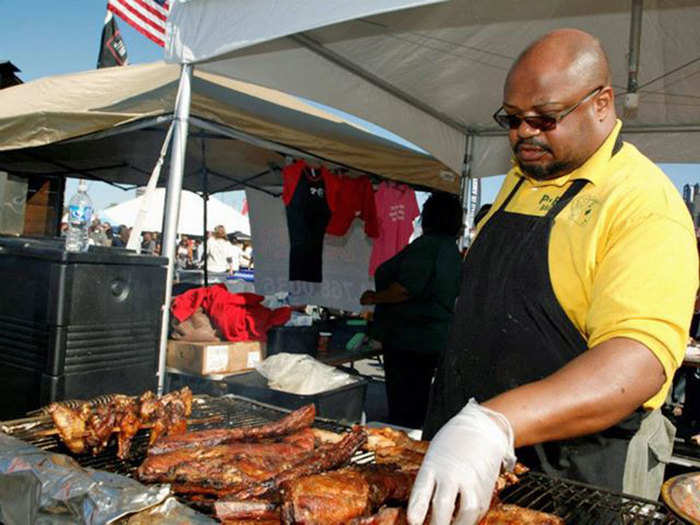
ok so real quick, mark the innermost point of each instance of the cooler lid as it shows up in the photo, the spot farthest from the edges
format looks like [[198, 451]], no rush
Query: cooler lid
[[53, 249]]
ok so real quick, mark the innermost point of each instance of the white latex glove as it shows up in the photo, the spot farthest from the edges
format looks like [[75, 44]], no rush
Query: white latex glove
[[464, 458]]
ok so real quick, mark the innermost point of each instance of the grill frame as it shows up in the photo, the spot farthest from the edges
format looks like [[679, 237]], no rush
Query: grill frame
[[577, 503]]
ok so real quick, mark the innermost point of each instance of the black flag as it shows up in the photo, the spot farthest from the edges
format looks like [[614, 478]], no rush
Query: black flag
[[112, 48]]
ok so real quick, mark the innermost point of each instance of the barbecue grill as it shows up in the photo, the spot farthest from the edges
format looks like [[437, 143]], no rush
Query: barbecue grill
[[576, 503]]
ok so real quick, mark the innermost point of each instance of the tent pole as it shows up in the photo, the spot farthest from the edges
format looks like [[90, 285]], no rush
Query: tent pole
[[465, 193], [205, 174], [172, 208]]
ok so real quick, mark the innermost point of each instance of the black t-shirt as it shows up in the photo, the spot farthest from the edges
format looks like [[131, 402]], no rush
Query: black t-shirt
[[308, 214]]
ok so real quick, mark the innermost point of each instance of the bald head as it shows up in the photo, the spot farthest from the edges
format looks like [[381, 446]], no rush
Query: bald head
[[568, 54]]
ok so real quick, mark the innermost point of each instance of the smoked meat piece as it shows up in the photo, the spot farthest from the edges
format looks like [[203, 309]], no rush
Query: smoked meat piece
[[293, 422]]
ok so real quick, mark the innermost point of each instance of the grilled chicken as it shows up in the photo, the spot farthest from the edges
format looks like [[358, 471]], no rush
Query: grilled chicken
[[89, 429]]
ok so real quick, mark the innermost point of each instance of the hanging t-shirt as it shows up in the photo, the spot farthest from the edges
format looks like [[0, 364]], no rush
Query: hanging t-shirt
[[308, 194], [396, 209], [355, 199]]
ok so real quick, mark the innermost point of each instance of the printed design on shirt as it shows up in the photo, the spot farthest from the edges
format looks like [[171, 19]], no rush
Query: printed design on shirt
[[318, 192], [582, 209], [397, 212], [546, 202]]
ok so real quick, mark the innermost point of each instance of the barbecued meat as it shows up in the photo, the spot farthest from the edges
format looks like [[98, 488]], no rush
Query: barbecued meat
[[71, 425], [162, 467], [395, 447], [324, 458], [255, 476], [342, 495], [170, 414], [386, 516], [329, 498], [378, 438], [87, 428], [504, 514], [295, 421]]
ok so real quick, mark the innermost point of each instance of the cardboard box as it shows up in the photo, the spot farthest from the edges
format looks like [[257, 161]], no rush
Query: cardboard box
[[214, 358]]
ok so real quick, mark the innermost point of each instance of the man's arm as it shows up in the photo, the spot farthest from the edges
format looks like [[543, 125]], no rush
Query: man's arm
[[591, 393], [394, 293]]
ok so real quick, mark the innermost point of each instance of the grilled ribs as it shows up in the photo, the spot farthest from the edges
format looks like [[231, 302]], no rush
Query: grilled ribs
[[293, 422], [249, 476], [163, 467]]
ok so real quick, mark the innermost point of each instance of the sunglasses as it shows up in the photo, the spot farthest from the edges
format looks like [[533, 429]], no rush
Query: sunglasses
[[540, 122]]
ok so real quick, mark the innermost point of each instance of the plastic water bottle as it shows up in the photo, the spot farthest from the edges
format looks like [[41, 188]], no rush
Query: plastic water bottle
[[79, 217]]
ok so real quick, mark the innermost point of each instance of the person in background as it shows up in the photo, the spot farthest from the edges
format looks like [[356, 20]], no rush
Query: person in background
[[109, 234], [122, 238], [184, 253], [222, 256], [415, 296], [246, 259], [148, 246]]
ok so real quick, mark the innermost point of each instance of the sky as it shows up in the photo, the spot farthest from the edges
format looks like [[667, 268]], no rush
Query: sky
[[50, 37]]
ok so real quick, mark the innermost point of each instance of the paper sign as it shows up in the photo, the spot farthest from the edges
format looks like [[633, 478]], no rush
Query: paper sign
[[216, 359], [253, 358]]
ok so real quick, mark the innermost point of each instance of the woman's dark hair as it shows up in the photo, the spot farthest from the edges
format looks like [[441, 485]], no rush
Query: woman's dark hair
[[442, 213]]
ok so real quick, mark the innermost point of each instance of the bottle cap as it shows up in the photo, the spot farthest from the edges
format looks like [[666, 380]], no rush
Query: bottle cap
[[82, 185]]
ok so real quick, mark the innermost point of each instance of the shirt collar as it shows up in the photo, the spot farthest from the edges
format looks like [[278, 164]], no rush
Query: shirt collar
[[592, 170]]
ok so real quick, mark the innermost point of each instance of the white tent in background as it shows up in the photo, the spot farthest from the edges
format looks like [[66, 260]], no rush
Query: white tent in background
[[191, 218]]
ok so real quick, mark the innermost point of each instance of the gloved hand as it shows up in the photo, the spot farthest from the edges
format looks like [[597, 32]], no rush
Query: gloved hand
[[464, 458]]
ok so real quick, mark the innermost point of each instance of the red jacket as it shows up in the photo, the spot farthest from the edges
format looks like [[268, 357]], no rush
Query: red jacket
[[239, 317]]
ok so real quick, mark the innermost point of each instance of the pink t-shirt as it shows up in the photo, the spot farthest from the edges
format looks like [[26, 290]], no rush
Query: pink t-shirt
[[396, 209]]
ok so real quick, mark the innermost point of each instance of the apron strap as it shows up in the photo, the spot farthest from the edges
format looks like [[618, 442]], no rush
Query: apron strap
[[511, 194]]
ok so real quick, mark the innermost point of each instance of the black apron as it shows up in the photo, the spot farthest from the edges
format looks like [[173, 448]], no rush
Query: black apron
[[307, 217], [509, 329]]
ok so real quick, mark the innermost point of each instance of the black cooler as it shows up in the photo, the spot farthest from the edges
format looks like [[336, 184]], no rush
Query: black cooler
[[76, 325]]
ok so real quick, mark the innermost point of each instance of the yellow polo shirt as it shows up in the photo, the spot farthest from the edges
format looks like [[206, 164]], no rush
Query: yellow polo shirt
[[622, 254]]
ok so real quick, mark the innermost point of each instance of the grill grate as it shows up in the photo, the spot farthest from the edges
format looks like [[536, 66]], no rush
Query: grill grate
[[581, 504], [576, 503], [233, 411]]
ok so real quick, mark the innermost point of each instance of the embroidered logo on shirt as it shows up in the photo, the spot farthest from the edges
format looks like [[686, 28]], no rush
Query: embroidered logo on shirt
[[582, 209], [546, 202], [397, 212], [316, 191]]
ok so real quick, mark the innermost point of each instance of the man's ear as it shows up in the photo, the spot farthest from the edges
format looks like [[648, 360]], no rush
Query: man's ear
[[604, 102]]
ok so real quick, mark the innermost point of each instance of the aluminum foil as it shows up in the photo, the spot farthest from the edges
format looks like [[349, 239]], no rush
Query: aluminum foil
[[39, 487]]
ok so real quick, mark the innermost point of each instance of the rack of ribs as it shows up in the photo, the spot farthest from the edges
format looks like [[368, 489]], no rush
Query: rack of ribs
[[254, 476], [293, 422], [88, 429], [169, 467]]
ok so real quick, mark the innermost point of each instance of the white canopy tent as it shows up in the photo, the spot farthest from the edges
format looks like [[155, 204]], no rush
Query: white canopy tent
[[191, 220], [434, 74]]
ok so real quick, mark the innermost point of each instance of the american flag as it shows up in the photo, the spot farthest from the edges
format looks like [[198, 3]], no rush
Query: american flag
[[146, 16]]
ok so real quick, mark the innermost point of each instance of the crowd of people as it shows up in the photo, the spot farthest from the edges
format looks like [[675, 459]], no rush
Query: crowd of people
[[226, 252]]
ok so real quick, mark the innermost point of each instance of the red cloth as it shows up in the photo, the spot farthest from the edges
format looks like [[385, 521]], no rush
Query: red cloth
[[292, 173], [355, 198], [239, 316]]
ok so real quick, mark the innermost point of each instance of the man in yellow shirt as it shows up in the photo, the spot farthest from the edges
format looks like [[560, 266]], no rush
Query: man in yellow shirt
[[574, 310]]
